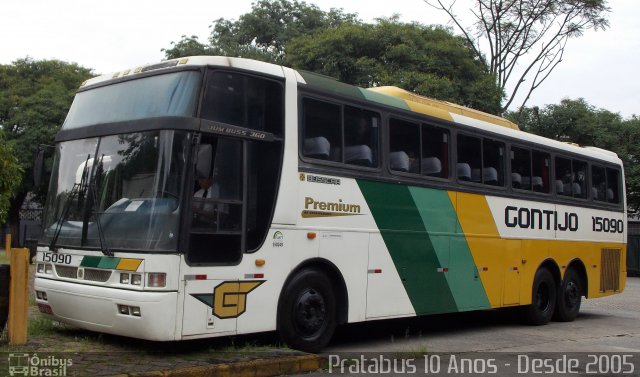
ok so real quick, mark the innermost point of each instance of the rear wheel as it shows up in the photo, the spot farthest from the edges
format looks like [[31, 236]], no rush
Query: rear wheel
[[307, 311], [569, 297], [543, 301]]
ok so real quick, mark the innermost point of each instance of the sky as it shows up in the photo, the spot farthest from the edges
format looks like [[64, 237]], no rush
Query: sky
[[109, 36]]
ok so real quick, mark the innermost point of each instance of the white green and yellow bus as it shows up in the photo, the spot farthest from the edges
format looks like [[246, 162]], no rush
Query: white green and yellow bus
[[213, 196]]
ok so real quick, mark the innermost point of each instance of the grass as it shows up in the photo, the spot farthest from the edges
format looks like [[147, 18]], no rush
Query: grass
[[39, 326]]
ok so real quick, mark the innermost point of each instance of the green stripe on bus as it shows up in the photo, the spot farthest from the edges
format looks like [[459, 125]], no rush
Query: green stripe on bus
[[330, 84], [385, 99], [89, 261], [410, 246], [109, 263], [441, 222]]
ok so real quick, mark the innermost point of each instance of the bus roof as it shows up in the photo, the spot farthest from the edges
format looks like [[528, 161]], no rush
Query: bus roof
[[387, 95]]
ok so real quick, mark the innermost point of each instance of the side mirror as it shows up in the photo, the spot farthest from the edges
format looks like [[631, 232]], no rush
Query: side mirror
[[38, 167], [203, 164]]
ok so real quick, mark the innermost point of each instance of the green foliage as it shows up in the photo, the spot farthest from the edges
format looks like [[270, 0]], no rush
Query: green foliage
[[187, 46], [263, 33], [422, 59], [10, 175], [34, 99], [426, 60], [578, 122]]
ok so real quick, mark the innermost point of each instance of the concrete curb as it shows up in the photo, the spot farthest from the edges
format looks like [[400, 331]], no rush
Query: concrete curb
[[254, 368]]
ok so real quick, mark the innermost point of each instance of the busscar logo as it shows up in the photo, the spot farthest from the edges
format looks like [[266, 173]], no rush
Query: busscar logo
[[229, 299], [315, 208]]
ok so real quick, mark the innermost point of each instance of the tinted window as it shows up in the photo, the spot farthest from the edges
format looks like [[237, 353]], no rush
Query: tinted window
[[435, 152], [493, 163], [349, 135], [172, 94], [469, 158], [322, 130], [541, 174], [361, 130], [244, 101], [404, 146], [480, 160], [571, 178]]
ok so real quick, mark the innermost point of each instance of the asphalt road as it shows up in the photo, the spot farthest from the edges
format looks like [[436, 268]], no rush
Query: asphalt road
[[497, 343]]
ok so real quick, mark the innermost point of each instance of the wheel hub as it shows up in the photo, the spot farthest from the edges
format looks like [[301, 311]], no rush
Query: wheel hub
[[310, 312]]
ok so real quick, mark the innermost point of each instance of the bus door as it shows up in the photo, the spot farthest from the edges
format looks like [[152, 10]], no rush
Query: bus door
[[234, 194], [216, 237]]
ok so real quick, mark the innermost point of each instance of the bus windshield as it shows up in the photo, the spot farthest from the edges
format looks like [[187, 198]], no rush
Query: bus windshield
[[172, 94], [128, 185]]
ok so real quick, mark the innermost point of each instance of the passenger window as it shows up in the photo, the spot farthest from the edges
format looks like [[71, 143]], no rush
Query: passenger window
[[540, 169], [563, 176], [322, 130], [493, 163], [404, 143], [598, 183], [520, 169], [613, 186], [579, 183], [469, 158], [435, 152], [361, 130], [325, 138]]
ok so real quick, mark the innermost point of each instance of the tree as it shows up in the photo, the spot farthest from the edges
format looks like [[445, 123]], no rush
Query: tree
[[34, 99], [524, 40], [263, 33], [426, 60], [10, 175], [578, 122], [187, 46]]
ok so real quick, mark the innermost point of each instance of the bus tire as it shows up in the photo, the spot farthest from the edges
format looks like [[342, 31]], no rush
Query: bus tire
[[569, 297], [543, 299], [307, 311]]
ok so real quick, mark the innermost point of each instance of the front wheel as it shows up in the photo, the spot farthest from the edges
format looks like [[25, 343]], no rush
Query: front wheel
[[569, 297], [307, 311], [543, 301]]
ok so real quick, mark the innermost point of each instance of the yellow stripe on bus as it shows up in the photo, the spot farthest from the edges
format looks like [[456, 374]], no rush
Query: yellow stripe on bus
[[129, 264], [507, 267]]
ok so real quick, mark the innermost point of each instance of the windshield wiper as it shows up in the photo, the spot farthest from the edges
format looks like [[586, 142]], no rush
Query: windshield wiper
[[93, 188], [75, 190]]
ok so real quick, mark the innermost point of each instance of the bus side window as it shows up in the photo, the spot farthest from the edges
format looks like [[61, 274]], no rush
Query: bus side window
[[598, 183], [579, 183], [361, 133], [520, 168], [435, 151], [564, 176], [540, 169], [469, 158], [613, 186], [322, 130], [493, 163], [404, 146]]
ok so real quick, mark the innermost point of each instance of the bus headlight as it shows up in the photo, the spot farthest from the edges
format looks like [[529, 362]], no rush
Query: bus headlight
[[156, 279], [124, 278], [136, 279], [48, 268]]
